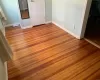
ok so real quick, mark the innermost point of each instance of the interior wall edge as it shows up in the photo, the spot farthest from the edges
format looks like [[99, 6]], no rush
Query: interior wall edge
[[86, 15], [76, 36]]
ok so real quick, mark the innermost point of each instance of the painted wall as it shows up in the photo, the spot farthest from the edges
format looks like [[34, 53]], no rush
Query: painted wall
[[11, 9], [69, 14], [86, 18], [48, 7]]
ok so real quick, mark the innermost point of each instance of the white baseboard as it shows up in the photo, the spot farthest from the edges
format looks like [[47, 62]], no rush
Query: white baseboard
[[26, 27], [18, 24], [8, 25], [32, 26], [15, 24], [67, 30], [91, 42], [48, 22]]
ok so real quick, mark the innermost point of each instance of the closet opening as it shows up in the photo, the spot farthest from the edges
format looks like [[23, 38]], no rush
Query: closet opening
[[92, 32]]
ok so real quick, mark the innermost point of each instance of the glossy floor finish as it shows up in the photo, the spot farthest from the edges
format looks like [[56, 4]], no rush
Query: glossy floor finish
[[47, 52]]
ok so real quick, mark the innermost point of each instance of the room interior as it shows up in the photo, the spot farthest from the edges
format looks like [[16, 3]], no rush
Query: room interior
[[47, 41], [93, 25]]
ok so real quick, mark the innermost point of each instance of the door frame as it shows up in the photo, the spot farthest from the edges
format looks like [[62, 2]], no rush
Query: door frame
[[26, 23], [88, 6], [44, 12]]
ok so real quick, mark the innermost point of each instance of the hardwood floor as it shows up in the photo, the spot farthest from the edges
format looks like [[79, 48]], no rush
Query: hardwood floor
[[48, 53]]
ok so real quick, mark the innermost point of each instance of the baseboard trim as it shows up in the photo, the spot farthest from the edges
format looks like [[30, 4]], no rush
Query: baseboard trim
[[91, 42], [67, 30], [48, 22], [8, 25], [26, 27], [15, 24]]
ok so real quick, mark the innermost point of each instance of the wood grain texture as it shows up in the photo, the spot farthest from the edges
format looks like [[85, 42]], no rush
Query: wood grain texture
[[47, 52]]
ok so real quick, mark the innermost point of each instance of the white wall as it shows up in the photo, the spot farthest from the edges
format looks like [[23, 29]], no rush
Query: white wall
[[69, 14], [11, 9], [48, 11]]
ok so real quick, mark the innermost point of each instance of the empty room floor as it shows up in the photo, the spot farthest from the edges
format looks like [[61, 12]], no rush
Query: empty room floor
[[47, 52]]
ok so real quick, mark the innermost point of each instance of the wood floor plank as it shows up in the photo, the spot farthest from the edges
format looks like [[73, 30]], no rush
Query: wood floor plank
[[47, 52], [30, 35], [74, 69], [46, 60], [41, 30], [33, 41], [94, 75], [42, 46], [53, 50], [60, 65]]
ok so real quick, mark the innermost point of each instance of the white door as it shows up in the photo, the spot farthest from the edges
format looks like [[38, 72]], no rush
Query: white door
[[37, 11]]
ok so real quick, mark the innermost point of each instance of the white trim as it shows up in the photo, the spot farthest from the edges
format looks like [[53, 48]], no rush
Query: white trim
[[91, 42], [15, 24], [47, 22], [66, 30], [6, 70], [26, 27], [8, 25], [18, 24], [86, 15]]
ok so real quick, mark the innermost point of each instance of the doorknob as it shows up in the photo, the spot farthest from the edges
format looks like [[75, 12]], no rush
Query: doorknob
[[32, 1]]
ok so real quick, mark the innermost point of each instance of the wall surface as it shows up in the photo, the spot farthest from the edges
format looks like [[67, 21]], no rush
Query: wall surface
[[86, 18], [69, 14], [11, 9], [48, 7]]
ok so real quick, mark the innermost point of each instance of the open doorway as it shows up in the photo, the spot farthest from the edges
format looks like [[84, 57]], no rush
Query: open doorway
[[92, 32]]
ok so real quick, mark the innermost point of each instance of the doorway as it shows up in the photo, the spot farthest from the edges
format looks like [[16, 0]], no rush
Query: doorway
[[32, 12], [92, 32]]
